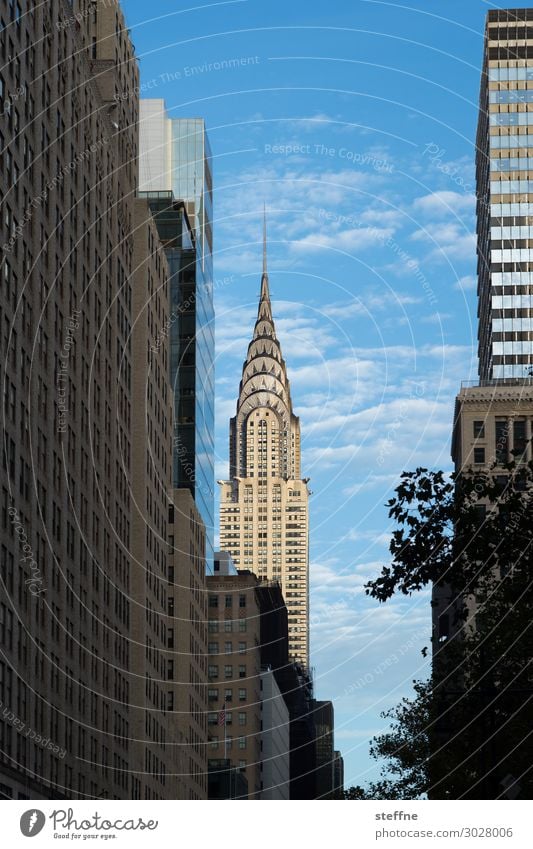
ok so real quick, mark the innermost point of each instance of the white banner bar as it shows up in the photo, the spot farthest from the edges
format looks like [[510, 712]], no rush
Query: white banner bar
[[315, 825]]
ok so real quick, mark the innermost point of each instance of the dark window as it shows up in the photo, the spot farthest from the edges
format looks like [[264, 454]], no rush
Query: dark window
[[229, 601], [479, 455], [242, 601], [519, 437], [479, 430], [213, 601], [502, 435]]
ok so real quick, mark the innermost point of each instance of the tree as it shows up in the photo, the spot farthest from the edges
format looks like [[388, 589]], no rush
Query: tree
[[466, 733]]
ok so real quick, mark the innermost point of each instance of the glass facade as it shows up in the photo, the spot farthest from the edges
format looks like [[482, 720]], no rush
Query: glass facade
[[176, 164], [505, 199]]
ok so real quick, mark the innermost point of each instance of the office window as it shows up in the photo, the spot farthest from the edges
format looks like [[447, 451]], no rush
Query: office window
[[479, 430], [242, 717], [228, 672], [212, 670], [213, 601], [242, 648], [212, 694], [228, 601], [242, 742], [242, 625], [242, 671], [212, 648], [228, 695], [242, 695], [227, 647], [242, 601], [479, 455]]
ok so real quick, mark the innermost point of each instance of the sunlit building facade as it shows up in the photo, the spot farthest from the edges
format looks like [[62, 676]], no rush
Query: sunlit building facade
[[264, 505], [505, 197]]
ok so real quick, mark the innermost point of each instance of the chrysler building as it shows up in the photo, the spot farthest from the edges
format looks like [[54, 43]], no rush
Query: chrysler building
[[264, 506]]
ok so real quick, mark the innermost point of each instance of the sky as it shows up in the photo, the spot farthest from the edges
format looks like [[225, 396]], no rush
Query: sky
[[354, 122]]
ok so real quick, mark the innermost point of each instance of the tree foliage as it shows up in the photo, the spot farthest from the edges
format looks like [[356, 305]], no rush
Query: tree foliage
[[466, 733]]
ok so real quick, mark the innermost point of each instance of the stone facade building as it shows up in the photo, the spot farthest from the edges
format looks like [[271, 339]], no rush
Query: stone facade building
[[264, 521]]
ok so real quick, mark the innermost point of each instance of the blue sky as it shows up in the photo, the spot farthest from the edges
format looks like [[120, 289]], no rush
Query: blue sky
[[355, 122]]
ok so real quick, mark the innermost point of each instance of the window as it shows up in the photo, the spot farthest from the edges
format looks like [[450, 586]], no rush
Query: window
[[228, 672], [212, 648], [212, 694], [242, 742], [228, 695], [242, 671], [213, 670], [228, 601], [519, 437], [212, 718], [213, 601], [242, 695], [242, 648], [242, 717], [228, 626], [242, 601], [479, 455], [479, 430], [242, 625], [502, 433], [227, 647]]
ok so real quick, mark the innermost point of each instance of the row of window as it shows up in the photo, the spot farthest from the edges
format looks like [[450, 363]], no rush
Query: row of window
[[520, 232], [213, 671], [511, 119], [510, 74], [512, 278], [213, 694], [507, 325], [511, 187], [501, 348], [213, 648], [213, 718], [513, 255], [514, 95], [512, 302], [512, 163], [509, 142], [228, 600], [506, 209]]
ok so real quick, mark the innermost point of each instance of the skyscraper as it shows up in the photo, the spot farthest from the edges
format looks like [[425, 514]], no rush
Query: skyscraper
[[264, 505], [505, 197], [174, 172], [83, 668]]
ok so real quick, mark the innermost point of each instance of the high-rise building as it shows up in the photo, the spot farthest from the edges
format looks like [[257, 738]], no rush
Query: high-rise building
[[264, 504], [175, 175], [325, 749], [86, 714], [505, 197], [187, 637], [234, 670]]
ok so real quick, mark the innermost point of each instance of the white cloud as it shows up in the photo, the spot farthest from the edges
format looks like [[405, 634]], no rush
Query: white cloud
[[444, 203]]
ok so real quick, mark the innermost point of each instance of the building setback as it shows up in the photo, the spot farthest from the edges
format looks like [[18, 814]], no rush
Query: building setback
[[264, 504], [504, 169]]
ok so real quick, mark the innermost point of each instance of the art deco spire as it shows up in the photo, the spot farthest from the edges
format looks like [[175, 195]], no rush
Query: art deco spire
[[264, 380]]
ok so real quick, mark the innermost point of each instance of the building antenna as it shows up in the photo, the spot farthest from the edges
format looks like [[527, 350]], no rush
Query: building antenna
[[264, 239]]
